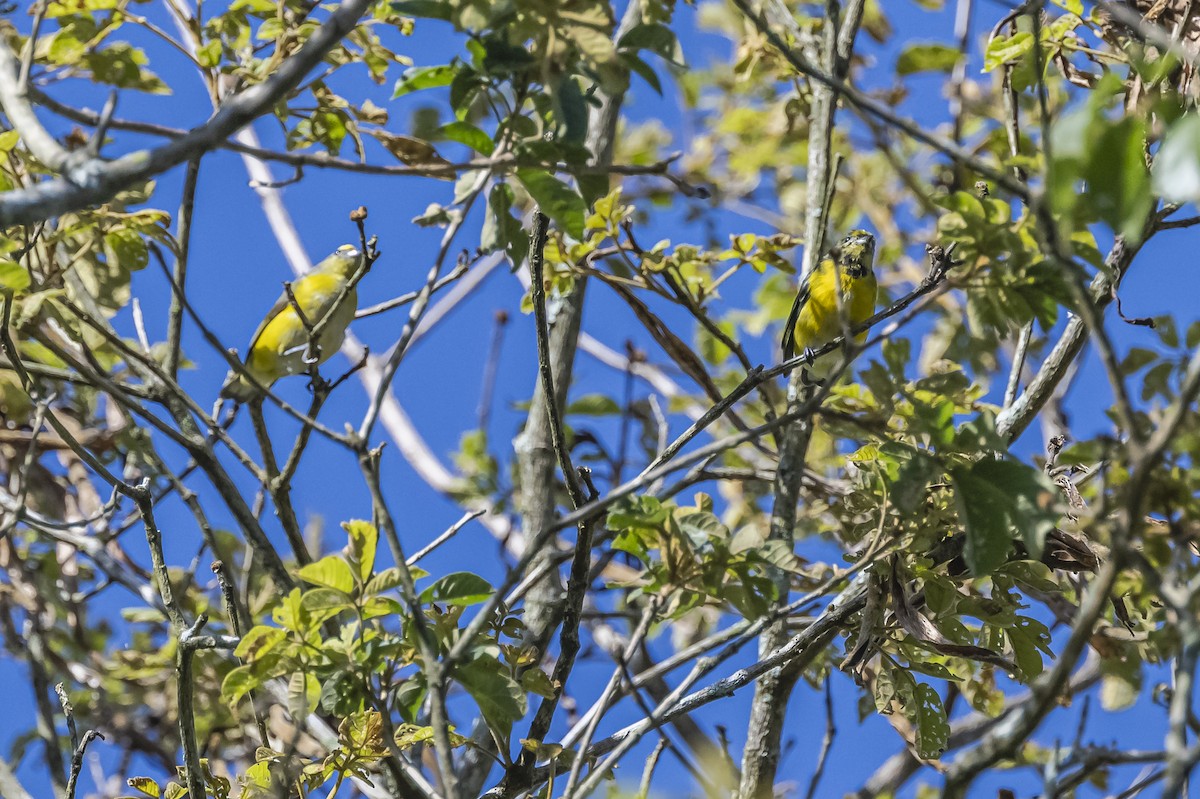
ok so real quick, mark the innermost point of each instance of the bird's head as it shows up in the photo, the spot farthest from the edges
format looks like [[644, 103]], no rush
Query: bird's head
[[344, 260], [857, 252]]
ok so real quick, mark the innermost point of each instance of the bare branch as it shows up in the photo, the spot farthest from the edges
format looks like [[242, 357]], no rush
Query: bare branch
[[77, 761], [580, 565]]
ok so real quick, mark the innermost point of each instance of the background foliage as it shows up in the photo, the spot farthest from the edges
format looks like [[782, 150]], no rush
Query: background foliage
[[660, 547]]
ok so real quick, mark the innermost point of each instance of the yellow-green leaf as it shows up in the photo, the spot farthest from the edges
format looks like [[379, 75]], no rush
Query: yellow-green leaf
[[13, 276], [145, 785], [364, 539], [331, 571]]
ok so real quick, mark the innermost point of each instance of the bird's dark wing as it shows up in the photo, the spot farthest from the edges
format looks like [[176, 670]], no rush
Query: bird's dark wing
[[279, 305], [789, 328]]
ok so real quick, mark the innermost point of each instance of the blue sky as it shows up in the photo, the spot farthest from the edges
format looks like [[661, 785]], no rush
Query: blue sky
[[236, 274]]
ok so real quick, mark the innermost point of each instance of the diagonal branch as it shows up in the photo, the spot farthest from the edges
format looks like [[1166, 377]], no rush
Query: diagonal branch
[[93, 180], [1015, 417]]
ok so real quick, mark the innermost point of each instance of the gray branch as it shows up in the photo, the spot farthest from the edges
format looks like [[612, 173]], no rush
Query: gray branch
[[1016, 416], [90, 180]]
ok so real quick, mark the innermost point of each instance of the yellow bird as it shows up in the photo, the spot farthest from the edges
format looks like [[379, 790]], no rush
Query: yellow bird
[[281, 341], [845, 279]]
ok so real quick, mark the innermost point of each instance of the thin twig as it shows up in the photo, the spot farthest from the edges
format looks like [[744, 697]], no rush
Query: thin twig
[[233, 609], [648, 771], [826, 742], [594, 715], [469, 516], [400, 348], [577, 583], [1018, 364], [69, 713], [435, 670], [183, 242], [77, 761]]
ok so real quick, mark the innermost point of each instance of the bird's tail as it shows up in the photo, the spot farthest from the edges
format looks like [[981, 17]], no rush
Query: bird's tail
[[238, 388]]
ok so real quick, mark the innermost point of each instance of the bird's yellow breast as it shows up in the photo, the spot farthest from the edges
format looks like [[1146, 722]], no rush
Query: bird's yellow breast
[[279, 347], [819, 321]]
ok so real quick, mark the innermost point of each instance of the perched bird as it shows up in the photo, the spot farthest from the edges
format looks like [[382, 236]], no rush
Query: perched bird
[[845, 279], [281, 342]]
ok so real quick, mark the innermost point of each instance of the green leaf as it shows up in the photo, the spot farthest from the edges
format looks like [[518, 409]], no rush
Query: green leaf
[[381, 606], [915, 473], [656, 37], [126, 248], [303, 694], [430, 9], [409, 150], [415, 79], [590, 29], [145, 785], [645, 513], [502, 230], [536, 681], [594, 405], [258, 642], [271, 29], [557, 200], [121, 65], [501, 700], [1176, 173], [462, 91], [331, 571], [468, 134], [289, 613], [1029, 639], [385, 580], [239, 682], [1120, 682], [994, 496], [1003, 49], [323, 603], [571, 110], [13, 276], [411, 696], [502, 57], [409, 735], [1118, 181], [965, 203], [329, 128], [1074, 6], [643, 70], [364, 539], [1139, 358], [460, 589], [927, 58], [933, 731], [1098, 170], [209, 54]]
